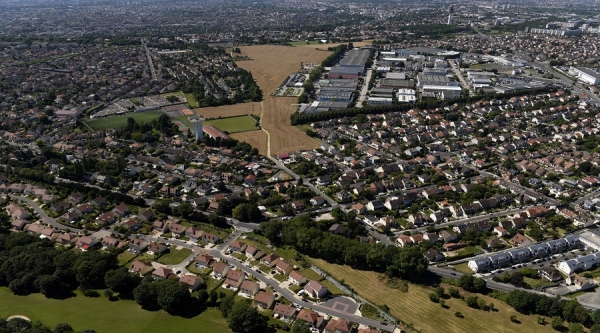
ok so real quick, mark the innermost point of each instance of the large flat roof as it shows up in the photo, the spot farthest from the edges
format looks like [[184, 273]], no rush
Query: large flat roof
[[356, 58]]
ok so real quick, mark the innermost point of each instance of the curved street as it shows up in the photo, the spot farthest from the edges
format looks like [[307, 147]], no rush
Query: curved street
[[47, 219]]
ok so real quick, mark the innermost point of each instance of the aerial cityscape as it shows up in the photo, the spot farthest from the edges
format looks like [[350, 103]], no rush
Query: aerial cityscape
[[299, 166]]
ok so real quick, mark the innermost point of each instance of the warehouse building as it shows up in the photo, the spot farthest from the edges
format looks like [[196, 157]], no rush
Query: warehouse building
[[586, 75]]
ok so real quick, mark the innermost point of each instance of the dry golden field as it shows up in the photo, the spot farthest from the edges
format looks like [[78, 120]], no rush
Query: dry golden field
[[257, 139], [325, 46], [228, 110], [271, 64], [414, 306]]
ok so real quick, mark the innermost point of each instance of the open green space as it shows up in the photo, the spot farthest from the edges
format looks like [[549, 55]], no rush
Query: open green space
[[125, 257], [234, 124], [463, 267], [191, 100], [174, 256], [121, 121], [105, 316], [311, 42]]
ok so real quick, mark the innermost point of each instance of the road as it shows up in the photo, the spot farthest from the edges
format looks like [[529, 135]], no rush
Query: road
[[365, 88], [47, 219], [150, 64], [456, 70]]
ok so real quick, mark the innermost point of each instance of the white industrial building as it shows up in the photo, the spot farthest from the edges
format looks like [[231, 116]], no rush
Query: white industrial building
[[406, 95], [586, 75]]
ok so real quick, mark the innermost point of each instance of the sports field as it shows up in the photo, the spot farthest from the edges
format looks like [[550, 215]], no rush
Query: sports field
[[121, 121], [234, 124], [414, 306], [105, 316]]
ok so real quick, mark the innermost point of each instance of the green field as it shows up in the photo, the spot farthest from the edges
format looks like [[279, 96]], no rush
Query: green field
[[121, 121], [234, 124], [105, 316], [174, 257], [192, 102], [305, 43]]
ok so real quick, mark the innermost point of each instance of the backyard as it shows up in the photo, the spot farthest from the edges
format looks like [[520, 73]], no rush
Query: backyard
[[174, 256]]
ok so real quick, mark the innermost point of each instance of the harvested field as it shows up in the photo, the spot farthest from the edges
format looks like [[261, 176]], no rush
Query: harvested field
[[271, 65], [257, 139], [229, 110], [325, 46], [414, 306]]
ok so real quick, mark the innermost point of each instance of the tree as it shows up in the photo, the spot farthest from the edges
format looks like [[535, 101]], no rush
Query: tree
[[576, 328], [18, 324], [556, 322], [440, 291], [122, 281], [63, 328], [595, 328], [145, 294], [434, 298], [243, 318], [472, 301], [226, 305], [173, 296], [185, 209], [574, 312], [300, 326], [453, 292]]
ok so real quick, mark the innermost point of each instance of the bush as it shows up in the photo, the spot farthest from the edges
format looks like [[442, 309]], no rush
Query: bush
[[91, 293], [434, 298], [472, 302], [458, 314], [556, 322], [514, 319], [440, 291], [453, 292]]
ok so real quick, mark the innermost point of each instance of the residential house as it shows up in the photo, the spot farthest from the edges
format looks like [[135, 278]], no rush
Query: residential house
[[220, 270], [264, 299], [210, 238], [338, 326], [316, 289], [140, 267], [67, 239], [18, 224], [313, 319], [237, 246], [234, 279], [162, 273], [105, 218], [203, 260], [146, 215], [178, 229], [191, 280], [86, 242], [157, 248], [520, 240], [338, 229], [297, 278], [108, 242], [270, 260], [249, 288], [76, 198], [284, 312], [251, 251], [121, 210], [161, 226], [138, 245], [194, 233], [283, 267]]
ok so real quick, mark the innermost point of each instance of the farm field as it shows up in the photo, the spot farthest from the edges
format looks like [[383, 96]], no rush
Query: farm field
[[414, 306], [105, 316], [229, 110], [271, 65], [234, 124], [121, 121], [324, 47], [258, 139]]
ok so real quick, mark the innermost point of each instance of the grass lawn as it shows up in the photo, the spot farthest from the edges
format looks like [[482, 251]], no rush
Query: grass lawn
[[145, 257], [332, 288], [463, 268], [174, 257], [234, 124], [104, 316], [121, 121], [192, 102], [295, 288], [537, 283], [239, 256], [312, 275], [414, 306], [212, 283], [264, 268], [126, 257], [280, 277]]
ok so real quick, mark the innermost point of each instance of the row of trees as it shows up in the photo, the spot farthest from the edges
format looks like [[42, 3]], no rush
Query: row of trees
[[299, 119], [305, 235]]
